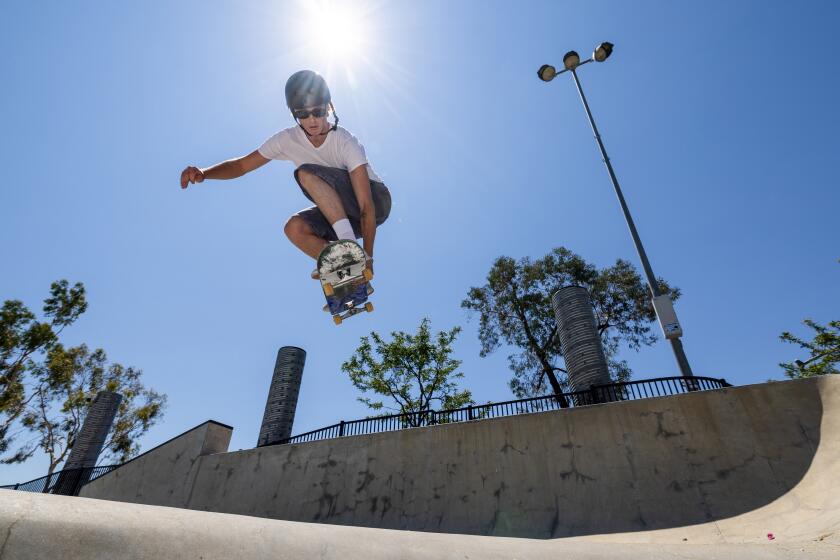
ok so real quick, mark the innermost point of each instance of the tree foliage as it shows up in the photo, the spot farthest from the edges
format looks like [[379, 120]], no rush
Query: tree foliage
[[23, 338], [46, 389], [514, 309], [411, 370], [823, 351]]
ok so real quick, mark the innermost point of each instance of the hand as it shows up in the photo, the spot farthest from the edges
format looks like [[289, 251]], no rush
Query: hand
[[369, 264], [191, 175]]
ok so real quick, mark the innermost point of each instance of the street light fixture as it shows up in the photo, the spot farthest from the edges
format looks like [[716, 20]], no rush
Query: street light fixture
[[571, 60], [661, 302], [603, 51], [547, 72]]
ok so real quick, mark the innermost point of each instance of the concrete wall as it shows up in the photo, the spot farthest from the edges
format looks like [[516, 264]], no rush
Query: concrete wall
[[613, 468], [163, 475]]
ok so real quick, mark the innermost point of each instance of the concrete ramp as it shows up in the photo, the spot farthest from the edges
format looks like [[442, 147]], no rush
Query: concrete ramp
[[810, 510], [38, 526], [746, 472], [722, 466]]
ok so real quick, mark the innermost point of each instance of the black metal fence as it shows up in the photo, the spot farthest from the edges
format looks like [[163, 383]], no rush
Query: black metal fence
[[67, 482], [597, 394]]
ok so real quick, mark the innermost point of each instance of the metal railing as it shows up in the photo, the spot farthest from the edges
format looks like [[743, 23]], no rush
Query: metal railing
[[67, 482], [597, 394]]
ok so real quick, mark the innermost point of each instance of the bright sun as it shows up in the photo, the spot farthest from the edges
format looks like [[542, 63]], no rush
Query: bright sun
[[349, 42], [336, 30]]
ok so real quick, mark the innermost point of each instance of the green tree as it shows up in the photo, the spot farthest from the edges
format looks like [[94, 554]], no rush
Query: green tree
[[823, 350], [514, 309], [48, 389], [23, 339], [413, 371]]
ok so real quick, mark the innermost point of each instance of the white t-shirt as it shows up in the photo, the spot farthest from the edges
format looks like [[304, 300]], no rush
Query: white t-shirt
[[340, 149]]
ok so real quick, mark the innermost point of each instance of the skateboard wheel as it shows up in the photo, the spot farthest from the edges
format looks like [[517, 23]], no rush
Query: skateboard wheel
[[369, 307], [368, 273], [337, 319], [328, 289]]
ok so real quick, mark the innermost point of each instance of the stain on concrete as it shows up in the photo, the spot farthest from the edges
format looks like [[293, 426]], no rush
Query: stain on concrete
[[661, 430], [326, 506], [506, 447], [367, 478], [386, 506]]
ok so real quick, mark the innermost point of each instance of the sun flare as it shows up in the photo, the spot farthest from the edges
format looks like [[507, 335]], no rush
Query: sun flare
[[352, 43], [336, 31]]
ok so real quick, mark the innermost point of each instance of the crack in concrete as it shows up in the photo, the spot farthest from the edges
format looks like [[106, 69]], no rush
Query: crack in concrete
[[631, 461], [723, 474], [7, 537], [8, 532], [555, 522]]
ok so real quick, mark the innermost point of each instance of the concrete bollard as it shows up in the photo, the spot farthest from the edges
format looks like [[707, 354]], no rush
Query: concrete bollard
[[582, 350], [88, 444], [97, 424], [283, 394]]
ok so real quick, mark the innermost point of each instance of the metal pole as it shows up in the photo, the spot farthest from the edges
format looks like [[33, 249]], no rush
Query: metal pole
[[676, 344]]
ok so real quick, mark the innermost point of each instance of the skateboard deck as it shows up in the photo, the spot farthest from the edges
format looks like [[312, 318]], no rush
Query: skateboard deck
[[344, 279]]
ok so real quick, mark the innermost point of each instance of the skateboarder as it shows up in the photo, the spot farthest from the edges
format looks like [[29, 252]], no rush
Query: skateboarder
[[331, 169]]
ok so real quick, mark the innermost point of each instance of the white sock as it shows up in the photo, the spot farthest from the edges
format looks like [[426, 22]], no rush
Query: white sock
[[344, 230]]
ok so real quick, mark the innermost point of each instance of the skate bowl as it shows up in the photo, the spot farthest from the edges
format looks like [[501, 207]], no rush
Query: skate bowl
[[627, 467], [738, 472]]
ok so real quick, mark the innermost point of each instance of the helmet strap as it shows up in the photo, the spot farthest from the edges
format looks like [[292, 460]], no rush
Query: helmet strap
[[335, 125]]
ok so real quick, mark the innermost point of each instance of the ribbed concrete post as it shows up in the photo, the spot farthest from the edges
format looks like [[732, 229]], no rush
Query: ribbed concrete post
[[282, 396], [585, 361], [97, 424], [89, 442]]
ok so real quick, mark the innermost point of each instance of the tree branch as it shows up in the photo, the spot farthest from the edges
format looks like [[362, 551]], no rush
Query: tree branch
[[535, 346]]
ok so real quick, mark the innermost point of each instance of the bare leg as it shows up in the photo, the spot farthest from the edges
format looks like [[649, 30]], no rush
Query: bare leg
[[324, 196], [299, 233]]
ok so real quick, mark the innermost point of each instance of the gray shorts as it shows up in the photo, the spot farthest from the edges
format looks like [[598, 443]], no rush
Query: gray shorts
[[339, 179]]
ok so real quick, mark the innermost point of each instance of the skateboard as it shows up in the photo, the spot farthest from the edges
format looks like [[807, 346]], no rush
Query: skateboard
[[344, 278]]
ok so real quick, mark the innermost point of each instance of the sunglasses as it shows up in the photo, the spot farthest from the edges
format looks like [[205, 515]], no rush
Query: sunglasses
[[317, 112]]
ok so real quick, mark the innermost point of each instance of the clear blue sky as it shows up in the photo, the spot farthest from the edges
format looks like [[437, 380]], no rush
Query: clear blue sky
[[720, 118]]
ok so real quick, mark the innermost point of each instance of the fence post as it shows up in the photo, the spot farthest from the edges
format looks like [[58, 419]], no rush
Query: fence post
[[692, 384], [562, 400], [341, 428], [593, 390], [469, 412]]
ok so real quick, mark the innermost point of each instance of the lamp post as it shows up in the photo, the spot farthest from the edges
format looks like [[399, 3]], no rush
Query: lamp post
[[661, 303]]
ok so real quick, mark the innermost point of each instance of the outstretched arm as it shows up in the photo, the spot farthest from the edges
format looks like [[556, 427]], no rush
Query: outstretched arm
[[230, 169]]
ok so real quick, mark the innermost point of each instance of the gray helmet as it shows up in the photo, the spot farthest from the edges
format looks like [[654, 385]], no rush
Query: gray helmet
[[306, 88]]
